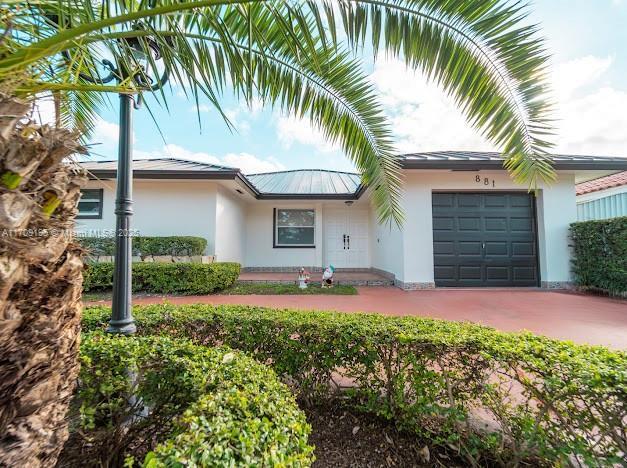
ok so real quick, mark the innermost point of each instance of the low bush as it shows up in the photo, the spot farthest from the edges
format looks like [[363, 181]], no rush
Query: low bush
[[148, 245], [203, 406], [544, 401], [166, 278], [600, 255]]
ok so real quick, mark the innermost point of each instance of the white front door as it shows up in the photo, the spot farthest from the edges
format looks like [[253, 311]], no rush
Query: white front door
[[346, 238]]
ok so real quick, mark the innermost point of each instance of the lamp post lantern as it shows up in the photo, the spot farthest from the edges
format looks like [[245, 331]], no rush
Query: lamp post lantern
[[122, 321]]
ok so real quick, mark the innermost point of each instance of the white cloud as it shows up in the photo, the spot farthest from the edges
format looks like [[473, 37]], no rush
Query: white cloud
[[251, 164], [246, 162], [200, 108], [291, 129], [241, 126], [594, 123], [423, 118], [43, 110], [106, 132], [592, 116], [568, 77]]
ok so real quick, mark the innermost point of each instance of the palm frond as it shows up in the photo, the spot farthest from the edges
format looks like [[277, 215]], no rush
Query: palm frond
[[291, 55], [483, 54]]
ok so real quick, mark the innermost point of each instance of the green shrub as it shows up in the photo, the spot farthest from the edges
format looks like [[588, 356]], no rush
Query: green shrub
[[149, 245], [166, 278], [549, 399], [600, 255], [204, 406]]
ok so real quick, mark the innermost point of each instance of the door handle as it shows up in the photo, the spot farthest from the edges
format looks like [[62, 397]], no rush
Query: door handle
[[348, 239], [344, 241]]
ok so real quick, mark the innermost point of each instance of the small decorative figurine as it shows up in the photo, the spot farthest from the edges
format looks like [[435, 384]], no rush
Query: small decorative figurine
[[303, 278], [327, 277]]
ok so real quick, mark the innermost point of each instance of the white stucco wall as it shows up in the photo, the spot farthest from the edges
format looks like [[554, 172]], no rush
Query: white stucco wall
[[386, 246], [259, 251], [242, 231], [557, 209], [409, 254], [161, 208], [230, 240]]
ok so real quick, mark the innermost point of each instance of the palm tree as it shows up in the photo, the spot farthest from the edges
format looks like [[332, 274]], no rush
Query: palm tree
[[298, 56], [40, 287]]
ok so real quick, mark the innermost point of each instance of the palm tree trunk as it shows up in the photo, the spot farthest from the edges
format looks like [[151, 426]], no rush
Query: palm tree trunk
[[40, 286]]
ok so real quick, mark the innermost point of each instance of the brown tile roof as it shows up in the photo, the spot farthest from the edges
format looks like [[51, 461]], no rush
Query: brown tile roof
[[602, 183]]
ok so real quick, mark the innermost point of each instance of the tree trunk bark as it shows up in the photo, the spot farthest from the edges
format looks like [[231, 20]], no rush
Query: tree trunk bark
[[40, 286]]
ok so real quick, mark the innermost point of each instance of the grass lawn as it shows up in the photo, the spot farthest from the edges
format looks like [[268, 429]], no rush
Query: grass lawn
[[96, 296], [246, 288], [287, 289]]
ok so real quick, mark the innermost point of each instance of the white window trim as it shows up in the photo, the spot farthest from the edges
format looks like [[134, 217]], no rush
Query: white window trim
[[275, 240]]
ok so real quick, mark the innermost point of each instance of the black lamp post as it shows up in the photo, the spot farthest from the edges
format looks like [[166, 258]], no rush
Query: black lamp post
[[122, 321]]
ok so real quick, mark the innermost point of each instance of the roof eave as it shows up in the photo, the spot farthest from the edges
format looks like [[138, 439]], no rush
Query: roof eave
[[479, 165], [308, 196], [160, 174]]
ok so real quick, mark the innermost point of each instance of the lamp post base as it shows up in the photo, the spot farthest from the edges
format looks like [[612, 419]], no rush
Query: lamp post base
[[122, 327]]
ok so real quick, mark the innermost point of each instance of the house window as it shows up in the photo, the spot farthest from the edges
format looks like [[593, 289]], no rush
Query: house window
[[90, 204], [294, 228]]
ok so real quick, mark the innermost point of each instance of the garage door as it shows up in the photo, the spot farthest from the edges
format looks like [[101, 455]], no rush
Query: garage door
[[484, 239]]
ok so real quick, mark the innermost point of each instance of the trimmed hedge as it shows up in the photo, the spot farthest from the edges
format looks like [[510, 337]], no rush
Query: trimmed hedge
[[177, 246], [205, 407], [545, 400], [166, 278], [600, 255]]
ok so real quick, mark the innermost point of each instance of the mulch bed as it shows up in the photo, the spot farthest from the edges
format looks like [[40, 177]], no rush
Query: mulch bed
[[342, 437], [345, 438]]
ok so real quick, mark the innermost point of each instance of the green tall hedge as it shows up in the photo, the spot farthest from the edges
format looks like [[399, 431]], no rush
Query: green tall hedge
[[204, 407], [166, 278], [148, 245], [600, 255], [549, 399]]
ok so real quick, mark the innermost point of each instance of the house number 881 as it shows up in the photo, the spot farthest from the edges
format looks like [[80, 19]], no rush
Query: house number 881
[[485, 181]]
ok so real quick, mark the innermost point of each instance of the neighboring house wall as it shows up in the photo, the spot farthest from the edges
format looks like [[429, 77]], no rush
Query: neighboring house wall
[[230, 227], [603, 204], [161, 208]]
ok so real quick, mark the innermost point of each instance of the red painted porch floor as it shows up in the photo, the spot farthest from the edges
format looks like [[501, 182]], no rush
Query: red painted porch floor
[[564, 315]]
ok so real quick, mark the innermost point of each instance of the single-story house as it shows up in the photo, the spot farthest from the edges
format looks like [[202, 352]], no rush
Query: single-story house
[[467, 223], [602, 198]]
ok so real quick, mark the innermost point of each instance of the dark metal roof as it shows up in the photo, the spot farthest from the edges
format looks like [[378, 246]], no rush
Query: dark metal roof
[[474, 160], [161, 164], [306, 182], [322, 184]]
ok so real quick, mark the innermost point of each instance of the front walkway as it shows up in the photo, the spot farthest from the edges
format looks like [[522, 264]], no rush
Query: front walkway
[[564, 315]]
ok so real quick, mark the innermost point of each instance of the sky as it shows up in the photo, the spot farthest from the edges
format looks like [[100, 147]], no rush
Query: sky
[[588, 43]]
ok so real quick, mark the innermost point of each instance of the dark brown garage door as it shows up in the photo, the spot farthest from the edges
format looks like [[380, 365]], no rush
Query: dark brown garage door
[[484, 239]]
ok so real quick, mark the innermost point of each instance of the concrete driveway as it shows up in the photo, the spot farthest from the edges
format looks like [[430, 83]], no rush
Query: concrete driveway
[[565, 315]]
